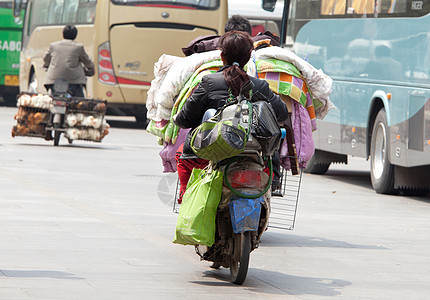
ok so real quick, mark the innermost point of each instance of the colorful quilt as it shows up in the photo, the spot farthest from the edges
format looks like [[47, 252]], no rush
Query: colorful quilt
[[284, 78]]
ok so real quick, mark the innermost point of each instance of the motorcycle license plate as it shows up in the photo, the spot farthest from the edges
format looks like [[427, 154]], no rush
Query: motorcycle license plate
[[58, 109]]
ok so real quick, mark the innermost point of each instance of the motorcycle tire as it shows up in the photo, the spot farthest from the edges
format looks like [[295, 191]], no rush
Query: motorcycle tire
[[57, 134], [215, 265], [240, 259]]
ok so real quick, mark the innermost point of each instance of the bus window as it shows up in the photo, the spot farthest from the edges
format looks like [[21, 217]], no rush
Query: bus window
[[55, 12], [39, 13], [201, 4], [361, 7], [70, 11], [86, 12], [332, 7]]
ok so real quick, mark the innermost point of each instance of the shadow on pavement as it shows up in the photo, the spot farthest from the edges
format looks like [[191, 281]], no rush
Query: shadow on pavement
[[286, 284], [362, 178], [277, 283], [39, 273], [276, 239], [65, 144], [359, 178]]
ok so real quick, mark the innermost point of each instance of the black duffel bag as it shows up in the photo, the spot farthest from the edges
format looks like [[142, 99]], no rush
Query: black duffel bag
[[264, 127]]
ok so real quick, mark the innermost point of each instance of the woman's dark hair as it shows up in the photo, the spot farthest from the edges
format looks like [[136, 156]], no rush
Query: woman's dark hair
[[236, 47], [70, 32], [239, 23]]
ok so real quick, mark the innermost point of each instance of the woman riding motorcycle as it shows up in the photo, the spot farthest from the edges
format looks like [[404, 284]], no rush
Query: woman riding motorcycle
[[215, 90]]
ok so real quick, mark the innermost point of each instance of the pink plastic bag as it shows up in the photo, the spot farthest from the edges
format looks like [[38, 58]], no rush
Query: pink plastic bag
[[169, 151]]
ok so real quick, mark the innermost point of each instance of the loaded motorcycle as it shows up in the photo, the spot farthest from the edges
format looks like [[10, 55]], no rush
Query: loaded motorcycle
[[243, 212], [78, 118]]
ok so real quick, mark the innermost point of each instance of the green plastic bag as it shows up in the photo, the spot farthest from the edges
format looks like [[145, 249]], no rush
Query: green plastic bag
[[196, 220], [216, 141]]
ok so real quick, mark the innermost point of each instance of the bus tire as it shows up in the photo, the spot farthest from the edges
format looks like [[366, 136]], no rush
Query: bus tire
[[381, 170], [316, 165], [32, 83]]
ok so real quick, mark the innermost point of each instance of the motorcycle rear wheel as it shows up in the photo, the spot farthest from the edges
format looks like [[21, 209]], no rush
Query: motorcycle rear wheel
[[240, 259], [57, 134]]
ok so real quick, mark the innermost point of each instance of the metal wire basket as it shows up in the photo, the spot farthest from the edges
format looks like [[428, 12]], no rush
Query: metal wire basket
[[33, 115], [176, 205], [284, 201]]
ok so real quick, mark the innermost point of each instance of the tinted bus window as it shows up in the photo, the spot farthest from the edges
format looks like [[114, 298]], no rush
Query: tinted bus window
[[6, 3], [61, 12], [205, 4], [368, 8]]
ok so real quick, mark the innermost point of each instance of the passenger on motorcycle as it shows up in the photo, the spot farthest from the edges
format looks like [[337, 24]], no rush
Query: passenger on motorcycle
[[67, 59], [215, 90]]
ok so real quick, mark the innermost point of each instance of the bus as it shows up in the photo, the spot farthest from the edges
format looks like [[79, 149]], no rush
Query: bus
[[124, 38], [10, 47], [378, 54]]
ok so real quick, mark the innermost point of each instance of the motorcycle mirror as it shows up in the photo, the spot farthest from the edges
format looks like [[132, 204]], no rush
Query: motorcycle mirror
[[268, 5]]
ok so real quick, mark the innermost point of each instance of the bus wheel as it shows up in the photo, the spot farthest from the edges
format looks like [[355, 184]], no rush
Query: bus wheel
[[381, 171], [32, 84], [317, 165]]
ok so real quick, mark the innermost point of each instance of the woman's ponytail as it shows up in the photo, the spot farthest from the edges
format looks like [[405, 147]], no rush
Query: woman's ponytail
[[236, 49]]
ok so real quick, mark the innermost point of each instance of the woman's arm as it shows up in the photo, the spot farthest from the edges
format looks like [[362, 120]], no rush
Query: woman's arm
[[191, 114]]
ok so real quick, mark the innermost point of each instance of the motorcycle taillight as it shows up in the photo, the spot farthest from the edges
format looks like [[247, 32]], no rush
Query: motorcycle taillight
[[60, 102], [247, 179]]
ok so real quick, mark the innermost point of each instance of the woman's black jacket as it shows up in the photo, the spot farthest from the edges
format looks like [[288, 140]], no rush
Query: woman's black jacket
[[212, 92]]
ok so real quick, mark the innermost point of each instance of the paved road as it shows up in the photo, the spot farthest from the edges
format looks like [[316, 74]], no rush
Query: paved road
[[92, 221]]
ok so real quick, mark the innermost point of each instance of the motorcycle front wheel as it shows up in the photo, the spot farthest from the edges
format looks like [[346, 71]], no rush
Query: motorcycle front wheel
[[240, 259]]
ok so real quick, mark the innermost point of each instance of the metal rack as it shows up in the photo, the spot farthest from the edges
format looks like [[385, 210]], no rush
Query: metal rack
[[176, 205], [85, 108], [284, 200], [32, 117], [284, 204]]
